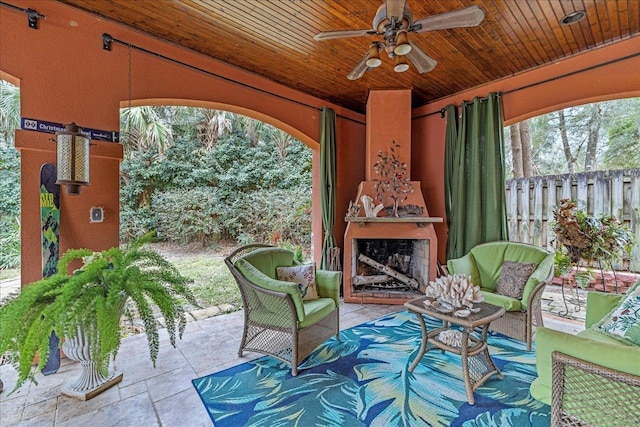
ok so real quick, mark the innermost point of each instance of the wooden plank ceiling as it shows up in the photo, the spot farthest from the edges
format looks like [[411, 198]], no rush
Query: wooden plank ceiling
[[274, 38]]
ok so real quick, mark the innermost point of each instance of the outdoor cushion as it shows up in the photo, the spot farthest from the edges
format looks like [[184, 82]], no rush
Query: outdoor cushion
[[513, 278], [623, 322], [509, 304], [315, 310], [304, 276], [266, 260]]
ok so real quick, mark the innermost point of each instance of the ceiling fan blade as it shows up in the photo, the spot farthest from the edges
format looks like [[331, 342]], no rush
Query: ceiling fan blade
[[359, 70], [423, 62], [468, 17], [328, 35], [395, 8]]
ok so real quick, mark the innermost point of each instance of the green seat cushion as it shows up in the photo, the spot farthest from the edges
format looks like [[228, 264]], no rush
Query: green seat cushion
[[315, 310], [488, 258], [509, 304], [267, 259], [541, 390], [588, 345], [465, 265], [484, 264]]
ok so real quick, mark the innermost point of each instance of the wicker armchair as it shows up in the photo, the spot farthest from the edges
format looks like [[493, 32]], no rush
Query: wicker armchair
[[276, 320], [585, 394], [484, 264]]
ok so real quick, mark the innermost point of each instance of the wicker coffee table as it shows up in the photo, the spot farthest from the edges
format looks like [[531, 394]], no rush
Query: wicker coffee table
[[477, 365]]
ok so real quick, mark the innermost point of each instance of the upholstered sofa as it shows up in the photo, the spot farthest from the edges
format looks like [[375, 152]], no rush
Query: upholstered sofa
[[590, 346], [484, 264], [277, 321]]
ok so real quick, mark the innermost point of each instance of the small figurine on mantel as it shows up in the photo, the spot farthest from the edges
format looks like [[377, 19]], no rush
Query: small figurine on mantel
[[370, 210], [354, 210]]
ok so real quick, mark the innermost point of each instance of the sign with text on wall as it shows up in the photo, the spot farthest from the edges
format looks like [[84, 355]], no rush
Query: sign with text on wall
[[51, 127]]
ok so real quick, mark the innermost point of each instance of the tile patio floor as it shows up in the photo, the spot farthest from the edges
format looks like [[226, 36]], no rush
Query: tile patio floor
[[163, 396]]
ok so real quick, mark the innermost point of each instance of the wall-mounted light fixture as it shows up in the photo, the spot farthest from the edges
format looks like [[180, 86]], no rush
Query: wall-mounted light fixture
[[73, 158]]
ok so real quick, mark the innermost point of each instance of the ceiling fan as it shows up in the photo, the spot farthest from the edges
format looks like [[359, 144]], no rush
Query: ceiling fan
[[393, 21]]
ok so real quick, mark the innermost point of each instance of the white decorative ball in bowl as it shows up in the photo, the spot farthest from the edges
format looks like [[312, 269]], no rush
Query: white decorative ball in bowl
[[453, 294]]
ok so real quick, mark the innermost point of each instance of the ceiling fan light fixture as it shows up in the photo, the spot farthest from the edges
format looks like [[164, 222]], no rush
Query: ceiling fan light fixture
[[401, 64], [402, 44], [373, 58], [573, 17]]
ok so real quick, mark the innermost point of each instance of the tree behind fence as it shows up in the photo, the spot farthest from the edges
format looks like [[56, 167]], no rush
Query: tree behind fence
[[530, 204]]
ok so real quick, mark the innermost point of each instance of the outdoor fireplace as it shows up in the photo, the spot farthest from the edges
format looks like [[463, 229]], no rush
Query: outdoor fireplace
[[389, 259], [394, 266]]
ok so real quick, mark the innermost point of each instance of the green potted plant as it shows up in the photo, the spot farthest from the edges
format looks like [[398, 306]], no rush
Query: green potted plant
[[85, 307], [590, 239]]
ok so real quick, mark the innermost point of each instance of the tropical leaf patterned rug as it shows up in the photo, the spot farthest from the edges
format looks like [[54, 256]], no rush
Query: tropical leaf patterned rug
[[364, 380]]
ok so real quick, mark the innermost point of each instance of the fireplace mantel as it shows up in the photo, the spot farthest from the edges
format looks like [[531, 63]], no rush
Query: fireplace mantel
[[420, 221]]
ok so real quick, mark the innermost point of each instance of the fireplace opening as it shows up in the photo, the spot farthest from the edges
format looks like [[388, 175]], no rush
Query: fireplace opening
[[391, 267]]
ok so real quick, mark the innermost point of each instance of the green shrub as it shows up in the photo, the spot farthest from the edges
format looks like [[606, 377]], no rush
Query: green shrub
[[10, 244], [185, 216], [10, 207]]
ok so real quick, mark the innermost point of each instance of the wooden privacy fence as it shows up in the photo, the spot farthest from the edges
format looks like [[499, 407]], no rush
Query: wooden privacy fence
[[531, 201]]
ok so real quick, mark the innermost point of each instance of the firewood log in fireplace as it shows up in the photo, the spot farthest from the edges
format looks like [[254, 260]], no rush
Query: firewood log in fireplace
[[413, 283], [368, 280]]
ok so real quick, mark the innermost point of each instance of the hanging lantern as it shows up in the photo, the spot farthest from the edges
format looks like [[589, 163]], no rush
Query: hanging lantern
[[73, 158]]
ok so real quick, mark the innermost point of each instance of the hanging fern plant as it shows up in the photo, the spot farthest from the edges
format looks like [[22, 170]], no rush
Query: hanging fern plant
[[93, 297]]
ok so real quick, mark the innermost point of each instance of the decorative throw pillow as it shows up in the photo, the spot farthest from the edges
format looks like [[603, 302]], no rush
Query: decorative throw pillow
[[304, 276], [513, 278], [624, 321]]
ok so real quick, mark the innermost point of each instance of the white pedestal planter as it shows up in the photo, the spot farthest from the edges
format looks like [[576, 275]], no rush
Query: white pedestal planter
[[91, 382]]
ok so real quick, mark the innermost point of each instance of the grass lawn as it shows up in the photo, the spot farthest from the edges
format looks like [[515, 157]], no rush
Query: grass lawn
[[213, 284], [212, 281]]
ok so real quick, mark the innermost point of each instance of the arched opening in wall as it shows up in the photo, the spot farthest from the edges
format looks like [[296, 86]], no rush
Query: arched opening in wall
[[9, 187], [206, 180], [586, 138], [574, 174]]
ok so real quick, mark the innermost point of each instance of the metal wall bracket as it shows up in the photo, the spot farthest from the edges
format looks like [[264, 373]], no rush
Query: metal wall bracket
[[32, 18], [107, 40]]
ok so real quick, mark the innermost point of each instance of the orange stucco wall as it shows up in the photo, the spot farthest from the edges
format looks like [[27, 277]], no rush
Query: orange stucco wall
[[388, 120], [65, 75]]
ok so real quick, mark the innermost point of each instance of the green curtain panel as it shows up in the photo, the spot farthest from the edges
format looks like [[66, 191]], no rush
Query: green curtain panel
[[451, 137], [328, 180], [475, 176]]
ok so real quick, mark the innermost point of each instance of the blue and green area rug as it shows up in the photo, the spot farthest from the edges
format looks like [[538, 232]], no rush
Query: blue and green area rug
[[363, 380]]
